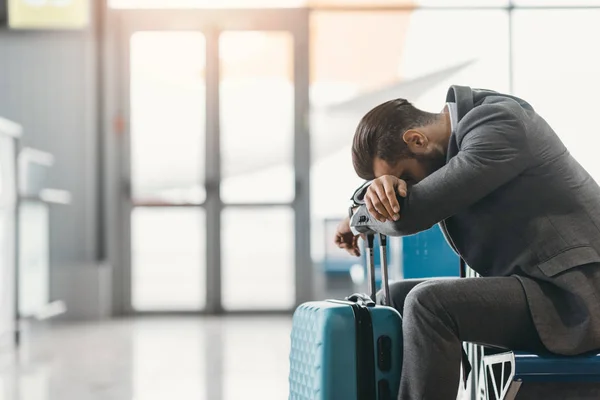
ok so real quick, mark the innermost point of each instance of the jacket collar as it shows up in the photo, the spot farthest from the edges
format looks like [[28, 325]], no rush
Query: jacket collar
[[463, 97]]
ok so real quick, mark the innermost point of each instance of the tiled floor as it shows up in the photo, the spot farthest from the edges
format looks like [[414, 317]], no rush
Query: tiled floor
[[175, 358]]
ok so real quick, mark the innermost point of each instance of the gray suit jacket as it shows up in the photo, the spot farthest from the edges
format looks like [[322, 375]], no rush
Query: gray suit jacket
[[513, 201]]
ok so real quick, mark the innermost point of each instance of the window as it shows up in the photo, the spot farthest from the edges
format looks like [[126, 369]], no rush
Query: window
[[559, 76]]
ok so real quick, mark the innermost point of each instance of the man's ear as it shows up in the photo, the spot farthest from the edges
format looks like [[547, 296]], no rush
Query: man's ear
[[416, 141]]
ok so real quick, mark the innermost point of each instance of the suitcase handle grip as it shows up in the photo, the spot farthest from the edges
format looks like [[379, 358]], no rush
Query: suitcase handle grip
[[362, 299]]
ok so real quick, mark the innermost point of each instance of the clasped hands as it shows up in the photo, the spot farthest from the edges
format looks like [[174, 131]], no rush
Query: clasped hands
[[382, 203]]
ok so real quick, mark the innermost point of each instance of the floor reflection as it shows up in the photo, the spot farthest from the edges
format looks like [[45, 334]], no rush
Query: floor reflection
[[151, 358]]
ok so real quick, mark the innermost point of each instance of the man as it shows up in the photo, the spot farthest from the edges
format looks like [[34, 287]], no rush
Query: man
[[512, 202]]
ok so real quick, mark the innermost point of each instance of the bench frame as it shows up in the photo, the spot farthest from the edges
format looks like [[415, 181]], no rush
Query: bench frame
[[504, 388]]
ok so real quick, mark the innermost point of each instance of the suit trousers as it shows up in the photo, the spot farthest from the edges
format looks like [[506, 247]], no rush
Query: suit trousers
[[439, 314]]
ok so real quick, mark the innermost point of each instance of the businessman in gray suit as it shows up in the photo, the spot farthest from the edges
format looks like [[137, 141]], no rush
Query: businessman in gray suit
[[511, 201]]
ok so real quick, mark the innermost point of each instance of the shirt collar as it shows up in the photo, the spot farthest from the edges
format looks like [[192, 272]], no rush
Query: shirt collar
[[453, 112]]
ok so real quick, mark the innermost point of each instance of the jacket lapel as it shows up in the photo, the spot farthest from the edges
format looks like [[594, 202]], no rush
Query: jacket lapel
[[462, 96], [444, 229]]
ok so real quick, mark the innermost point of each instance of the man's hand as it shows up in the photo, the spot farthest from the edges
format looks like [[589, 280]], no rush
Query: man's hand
[[345, 239], [381, 200]]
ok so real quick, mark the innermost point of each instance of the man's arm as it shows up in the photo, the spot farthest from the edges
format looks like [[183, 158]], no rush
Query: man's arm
[[492, 152]]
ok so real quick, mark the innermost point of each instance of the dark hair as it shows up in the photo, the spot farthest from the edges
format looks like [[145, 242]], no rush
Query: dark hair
[[379, 134]]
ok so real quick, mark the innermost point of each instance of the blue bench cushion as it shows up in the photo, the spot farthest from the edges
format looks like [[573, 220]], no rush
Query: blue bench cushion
[[553, 367]]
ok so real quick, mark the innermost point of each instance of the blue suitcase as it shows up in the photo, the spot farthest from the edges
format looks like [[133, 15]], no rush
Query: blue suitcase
[[347, 349]]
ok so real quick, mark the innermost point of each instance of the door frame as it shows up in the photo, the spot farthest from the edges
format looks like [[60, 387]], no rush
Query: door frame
[[119, 26]]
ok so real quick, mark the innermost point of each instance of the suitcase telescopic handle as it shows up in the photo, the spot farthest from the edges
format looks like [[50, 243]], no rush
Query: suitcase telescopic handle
[[371, 267], [384, 267]]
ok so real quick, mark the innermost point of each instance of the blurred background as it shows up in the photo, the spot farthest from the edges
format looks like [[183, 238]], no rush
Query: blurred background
[[172, 171]]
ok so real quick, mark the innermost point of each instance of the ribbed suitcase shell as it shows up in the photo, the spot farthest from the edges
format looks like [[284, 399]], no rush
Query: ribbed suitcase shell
[[323, 351]]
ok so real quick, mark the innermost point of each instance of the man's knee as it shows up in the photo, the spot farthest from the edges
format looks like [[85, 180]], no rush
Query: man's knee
[[424, 297], [429, 301], [398, 293]]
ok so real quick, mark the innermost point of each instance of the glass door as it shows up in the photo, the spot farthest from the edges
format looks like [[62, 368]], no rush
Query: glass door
[[167, 162], [215, 160], [257, 168]]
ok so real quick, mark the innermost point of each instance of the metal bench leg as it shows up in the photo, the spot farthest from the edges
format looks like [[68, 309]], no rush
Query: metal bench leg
[[492, 388], [513, 390]]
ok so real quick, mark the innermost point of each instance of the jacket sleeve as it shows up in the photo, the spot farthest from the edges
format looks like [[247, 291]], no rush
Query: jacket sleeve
[[493, 150]]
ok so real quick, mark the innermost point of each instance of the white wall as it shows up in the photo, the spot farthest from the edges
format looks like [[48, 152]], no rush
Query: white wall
[[7, 240]]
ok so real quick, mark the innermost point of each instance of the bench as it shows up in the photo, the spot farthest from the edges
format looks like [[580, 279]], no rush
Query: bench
[[522, 376]]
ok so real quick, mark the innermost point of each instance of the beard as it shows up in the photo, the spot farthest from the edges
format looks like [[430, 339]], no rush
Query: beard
[[431, 162]]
